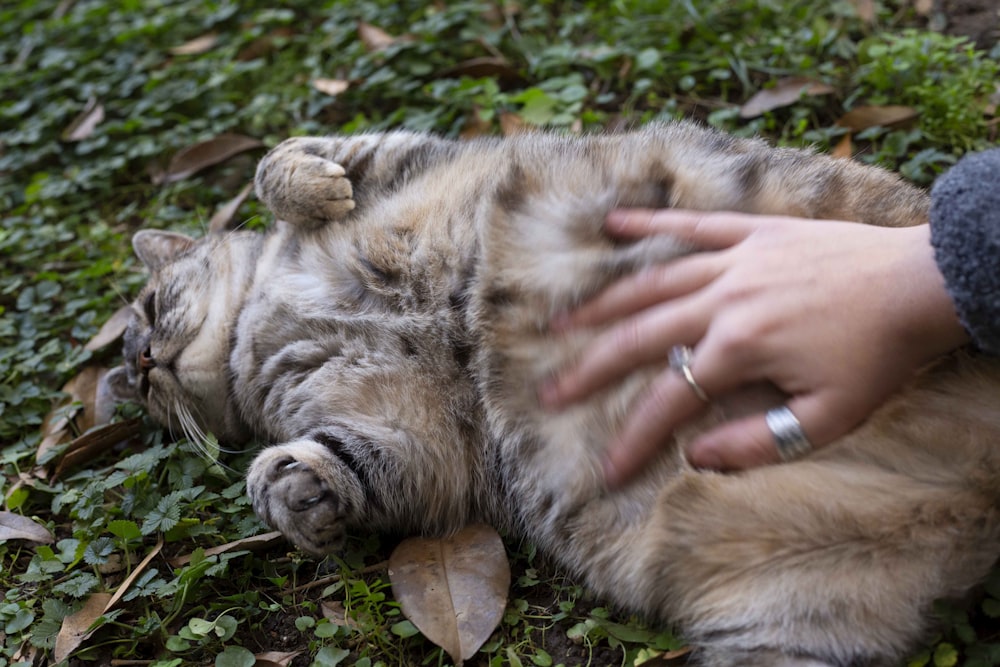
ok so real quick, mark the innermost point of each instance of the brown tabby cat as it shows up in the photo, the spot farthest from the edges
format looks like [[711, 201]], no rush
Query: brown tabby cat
[[389, 332]]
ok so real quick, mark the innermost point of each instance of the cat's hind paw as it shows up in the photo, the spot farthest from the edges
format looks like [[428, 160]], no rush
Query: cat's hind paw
[[297, 490], [301, 186]]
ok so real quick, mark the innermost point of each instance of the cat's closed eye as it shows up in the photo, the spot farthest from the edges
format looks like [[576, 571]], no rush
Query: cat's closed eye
[[149, 308]]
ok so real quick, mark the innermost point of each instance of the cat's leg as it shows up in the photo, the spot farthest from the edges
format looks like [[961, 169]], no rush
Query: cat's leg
[[303, 492], [310, 181]]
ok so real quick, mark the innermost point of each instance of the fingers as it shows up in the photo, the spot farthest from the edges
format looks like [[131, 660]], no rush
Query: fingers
[[667, 402], [642, 290], [705, 229], [748, 442], [615, 353]]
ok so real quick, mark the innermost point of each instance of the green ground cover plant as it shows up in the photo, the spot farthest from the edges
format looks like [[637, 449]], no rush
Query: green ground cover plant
[[96, 97]]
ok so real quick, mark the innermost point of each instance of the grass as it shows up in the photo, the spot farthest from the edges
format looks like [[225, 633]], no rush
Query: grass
[[77, 182]]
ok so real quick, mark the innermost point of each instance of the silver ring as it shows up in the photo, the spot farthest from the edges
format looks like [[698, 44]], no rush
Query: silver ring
[[789, 438], [680, 361]]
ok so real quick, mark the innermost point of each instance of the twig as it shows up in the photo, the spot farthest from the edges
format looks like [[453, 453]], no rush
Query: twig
[[329, 579]]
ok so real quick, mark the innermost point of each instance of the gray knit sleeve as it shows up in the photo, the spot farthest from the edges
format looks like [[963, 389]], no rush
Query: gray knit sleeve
[[965, 233]]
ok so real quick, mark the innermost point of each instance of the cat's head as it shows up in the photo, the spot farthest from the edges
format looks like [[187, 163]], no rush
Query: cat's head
[[177, 340]]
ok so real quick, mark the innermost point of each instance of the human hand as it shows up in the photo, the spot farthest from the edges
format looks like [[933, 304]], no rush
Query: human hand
[[837, 315]]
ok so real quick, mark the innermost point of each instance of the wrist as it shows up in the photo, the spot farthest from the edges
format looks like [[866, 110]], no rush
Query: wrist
[[928, 319]]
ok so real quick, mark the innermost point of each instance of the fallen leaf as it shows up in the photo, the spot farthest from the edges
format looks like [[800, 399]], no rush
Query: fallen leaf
[[204, 154], [16, 527], [489, 66], [784, 93], [95, 441], [76, 627], [220, 221], [97, 408], [55, 431], [275, 658], [865, 10], [844, 147], [373, 37], [453, 589], [334, 611], [132, 577], [331, 87], [111, 330], [84, 124], [864, 117], [511, 124], [475, 125], [265, 44], [923, 7], [25, 654], [196, 46], [253, 543]]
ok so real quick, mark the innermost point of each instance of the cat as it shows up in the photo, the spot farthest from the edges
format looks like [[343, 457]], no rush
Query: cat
[[388, 332]]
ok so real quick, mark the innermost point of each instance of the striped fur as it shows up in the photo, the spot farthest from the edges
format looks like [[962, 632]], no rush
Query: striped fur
[[388, 332]]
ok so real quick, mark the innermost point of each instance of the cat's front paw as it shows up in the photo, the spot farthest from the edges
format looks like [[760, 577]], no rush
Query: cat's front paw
[[301, 186], [296, 489]]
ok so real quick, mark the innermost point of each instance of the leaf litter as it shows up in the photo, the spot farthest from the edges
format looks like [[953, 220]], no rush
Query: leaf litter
[[453, 589], [191, 160]]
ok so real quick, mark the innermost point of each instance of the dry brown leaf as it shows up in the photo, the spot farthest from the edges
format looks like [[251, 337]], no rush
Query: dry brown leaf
[[221, 219], [865, 10], [373, 37], [55, 431], [784, 93], [475, 126], [862, 118], [76, 627], [111, 330], [95, 441], [135, 573], [453, 589], [253, 543], [98, 406], [84, 124], [275, 658], [196, 46], [204, 154], [333, 611], [265, 44], [331, 87], [844, 147], [491, 66], [16, 527], [511, 124], [25, 654]]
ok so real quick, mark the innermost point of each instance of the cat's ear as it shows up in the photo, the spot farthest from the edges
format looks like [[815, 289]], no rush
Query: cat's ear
[[156, 248]]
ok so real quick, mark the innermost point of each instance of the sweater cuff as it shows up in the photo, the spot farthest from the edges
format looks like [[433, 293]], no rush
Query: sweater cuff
[[965, 233]]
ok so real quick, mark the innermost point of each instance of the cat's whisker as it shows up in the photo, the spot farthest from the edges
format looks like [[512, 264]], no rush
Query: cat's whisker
[[199, 439]]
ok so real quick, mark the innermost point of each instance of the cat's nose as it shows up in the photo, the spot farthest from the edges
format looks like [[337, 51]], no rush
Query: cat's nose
[[146, 361]]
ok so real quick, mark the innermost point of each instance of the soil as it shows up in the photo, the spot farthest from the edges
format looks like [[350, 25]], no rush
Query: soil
[[977, 19]]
